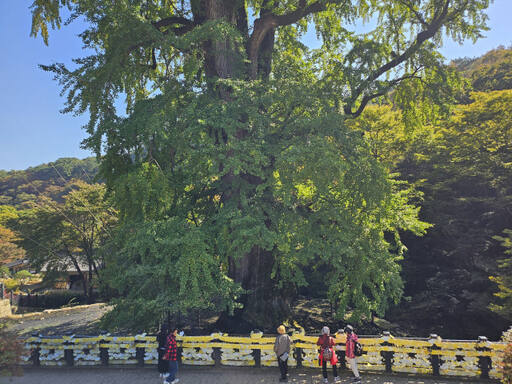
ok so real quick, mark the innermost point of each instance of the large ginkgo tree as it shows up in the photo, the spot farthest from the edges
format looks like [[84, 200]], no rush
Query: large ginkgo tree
[[234, 170]]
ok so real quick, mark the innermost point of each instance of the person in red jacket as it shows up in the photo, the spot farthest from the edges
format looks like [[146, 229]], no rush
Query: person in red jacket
[[326, 344], [171, 355], [349, 351]]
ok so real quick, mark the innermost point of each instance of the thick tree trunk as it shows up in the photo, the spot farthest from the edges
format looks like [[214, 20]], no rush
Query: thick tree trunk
[[90, 296], [221, 58], [262, 306], [80, 273]]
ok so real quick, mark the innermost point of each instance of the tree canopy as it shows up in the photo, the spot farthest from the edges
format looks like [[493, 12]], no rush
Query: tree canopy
[[236, 167]]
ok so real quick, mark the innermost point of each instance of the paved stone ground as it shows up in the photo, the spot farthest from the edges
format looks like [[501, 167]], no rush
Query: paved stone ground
[[204, 375]]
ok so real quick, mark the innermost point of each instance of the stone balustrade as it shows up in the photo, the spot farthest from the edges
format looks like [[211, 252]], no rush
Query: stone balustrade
[[431, 356]]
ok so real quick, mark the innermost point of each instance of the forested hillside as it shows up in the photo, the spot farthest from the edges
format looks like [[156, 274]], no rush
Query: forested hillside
[[490, 72], [20, 187]]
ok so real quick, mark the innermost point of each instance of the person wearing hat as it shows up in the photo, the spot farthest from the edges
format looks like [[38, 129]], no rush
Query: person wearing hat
[[282, 350], [349, 352], [326, 344]]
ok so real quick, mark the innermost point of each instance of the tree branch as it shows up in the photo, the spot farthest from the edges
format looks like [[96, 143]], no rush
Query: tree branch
[[418, 15], [268, 21], [421, 37], [187, 25], [367, 98]]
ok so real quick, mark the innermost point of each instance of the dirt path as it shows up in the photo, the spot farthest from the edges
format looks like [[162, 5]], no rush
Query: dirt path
[[80, 321]]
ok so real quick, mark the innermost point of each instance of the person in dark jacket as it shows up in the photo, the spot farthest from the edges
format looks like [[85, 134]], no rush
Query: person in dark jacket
[[282, 350], [161, 338], [349, 352], [171, 355], [326, 344]]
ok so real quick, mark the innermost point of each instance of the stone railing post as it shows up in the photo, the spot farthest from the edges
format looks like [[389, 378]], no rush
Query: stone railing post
[[387, 355], [342, 358], [69, 352], [256, 353], [434, 359], [484, 362], [139, 355], [217, 354], [180, 353], [35, 351], [297, 353], [104, 357]]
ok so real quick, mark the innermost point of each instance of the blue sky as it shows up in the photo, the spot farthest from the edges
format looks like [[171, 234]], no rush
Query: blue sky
[[32, 129]]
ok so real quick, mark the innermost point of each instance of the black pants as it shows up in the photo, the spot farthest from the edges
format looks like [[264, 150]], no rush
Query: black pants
[[324, 369], [283, 367]]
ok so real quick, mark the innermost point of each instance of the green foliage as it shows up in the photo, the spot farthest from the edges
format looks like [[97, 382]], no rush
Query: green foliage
[[23, 275], [17, 281], [164, 266], [4, 272], [326, 198], [505, 366], [9, 251], [59, 236], [504, 279], [12, 285], [236, 166]]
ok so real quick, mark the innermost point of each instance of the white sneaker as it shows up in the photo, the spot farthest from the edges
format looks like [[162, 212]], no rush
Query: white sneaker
[[175, 381], [326, 381], [337, 379]]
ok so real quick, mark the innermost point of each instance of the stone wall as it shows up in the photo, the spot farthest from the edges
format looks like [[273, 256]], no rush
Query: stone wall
[[5, 308]]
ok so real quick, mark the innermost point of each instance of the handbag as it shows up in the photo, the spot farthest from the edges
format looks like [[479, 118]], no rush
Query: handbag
[[284, 356]]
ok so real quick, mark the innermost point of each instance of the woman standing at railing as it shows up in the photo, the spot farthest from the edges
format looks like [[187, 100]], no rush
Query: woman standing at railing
[[282, 350], [349, 352], [326, 343]]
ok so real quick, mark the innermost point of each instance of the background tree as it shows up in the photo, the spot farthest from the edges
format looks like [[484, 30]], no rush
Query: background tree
[[60, 235], [504, 279], [9, 250], [225, 140], [462, 166], [11, 352]]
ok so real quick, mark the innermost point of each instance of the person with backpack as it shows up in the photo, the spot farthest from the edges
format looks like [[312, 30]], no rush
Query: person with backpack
[[161, 338], [326, 354], [282, 350], [171, 355], [353, 348]]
